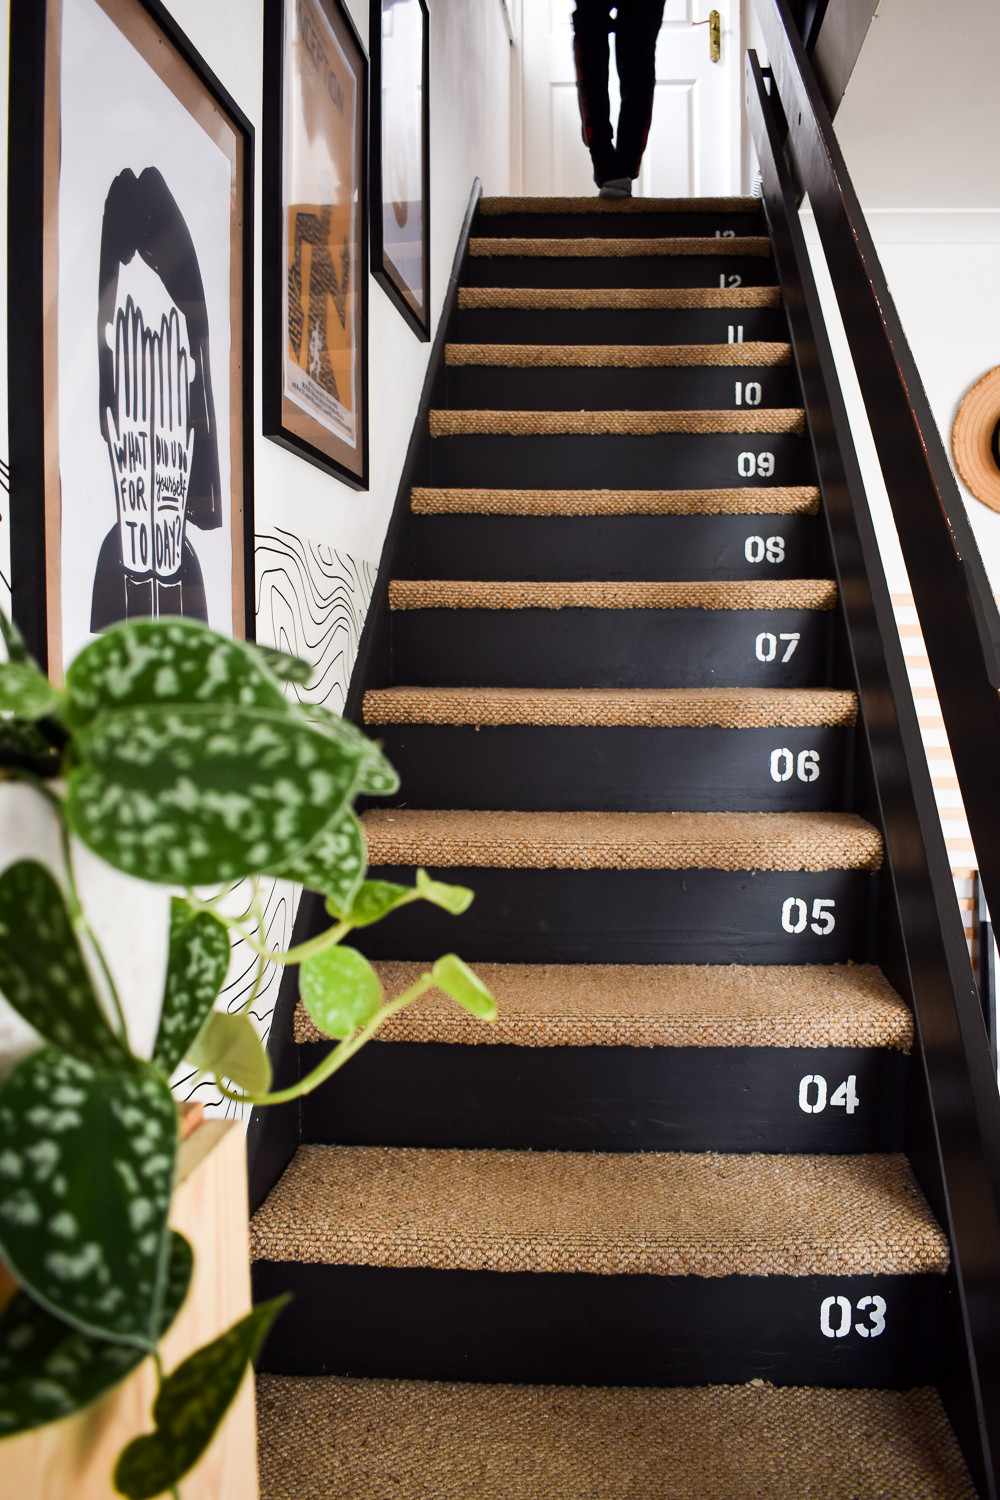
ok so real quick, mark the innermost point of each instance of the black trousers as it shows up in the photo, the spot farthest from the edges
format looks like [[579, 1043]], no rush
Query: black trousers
[[636, 28]]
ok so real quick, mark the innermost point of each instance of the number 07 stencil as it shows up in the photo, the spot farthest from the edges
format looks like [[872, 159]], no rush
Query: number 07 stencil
[[129, 328]]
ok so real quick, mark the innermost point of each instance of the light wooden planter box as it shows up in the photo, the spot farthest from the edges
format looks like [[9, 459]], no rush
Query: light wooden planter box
[[73, 1459]]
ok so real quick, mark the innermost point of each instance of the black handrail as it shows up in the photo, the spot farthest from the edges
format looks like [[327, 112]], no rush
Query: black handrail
[[952, 594], [957, 1157]]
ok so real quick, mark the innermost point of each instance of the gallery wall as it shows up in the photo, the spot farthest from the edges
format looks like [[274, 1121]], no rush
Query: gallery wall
[[318, 543]]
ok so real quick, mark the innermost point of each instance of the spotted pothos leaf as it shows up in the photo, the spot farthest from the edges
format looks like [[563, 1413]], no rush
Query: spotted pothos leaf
[[340, 990], [458, 981], [191, 1403], [334, 863], [197, 961], [42, 971], [154, 662], [452, 898], [373, 900], [49, 1369], [14, 643], [376, 776], [86, 1172], [202, 795], [228, 1047], [286, 668], [25, 691], [25, 746]]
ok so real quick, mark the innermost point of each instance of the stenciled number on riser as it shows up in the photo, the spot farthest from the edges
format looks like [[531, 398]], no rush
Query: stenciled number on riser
[[766, 645], [757, 548], [750, 464], [785, 765], [814, 1094], [751, 393], [795, 915], [728, 281], [836, 1317]]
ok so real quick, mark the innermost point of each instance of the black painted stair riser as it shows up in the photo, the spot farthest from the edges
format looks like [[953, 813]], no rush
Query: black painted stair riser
[[619, 226], [599, 388], [529, 769], [611, 1098], [582, 1329], [607, 548], [636, 917], [612, 648], [619, 270], [662, 461], [614, 325]]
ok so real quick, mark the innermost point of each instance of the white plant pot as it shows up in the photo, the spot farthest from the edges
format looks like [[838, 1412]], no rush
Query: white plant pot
[[129, 918]]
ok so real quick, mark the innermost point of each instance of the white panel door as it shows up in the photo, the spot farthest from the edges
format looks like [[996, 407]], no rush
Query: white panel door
[[694, 140]]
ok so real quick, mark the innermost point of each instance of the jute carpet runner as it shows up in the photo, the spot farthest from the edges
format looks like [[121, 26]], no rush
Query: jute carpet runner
[[329, 1439], [608, 1214], [634, 708], [791, 500], [655, 1005], [770, 593]]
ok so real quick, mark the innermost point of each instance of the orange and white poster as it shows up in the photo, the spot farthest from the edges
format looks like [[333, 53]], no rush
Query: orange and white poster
[[322, 249]]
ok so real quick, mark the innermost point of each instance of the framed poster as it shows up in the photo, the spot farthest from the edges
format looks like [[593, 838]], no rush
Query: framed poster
[[315, 297], [400, 153], [130, 327]]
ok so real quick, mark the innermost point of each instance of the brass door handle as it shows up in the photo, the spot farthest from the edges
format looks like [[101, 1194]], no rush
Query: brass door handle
[[714, 24]]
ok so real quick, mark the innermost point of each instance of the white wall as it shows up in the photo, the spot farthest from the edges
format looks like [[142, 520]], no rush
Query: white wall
[[318, 541], [919, 127]]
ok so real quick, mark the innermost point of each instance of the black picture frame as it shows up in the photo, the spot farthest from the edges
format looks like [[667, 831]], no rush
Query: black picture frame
[[386, 266], [291, 420], [39, 513]]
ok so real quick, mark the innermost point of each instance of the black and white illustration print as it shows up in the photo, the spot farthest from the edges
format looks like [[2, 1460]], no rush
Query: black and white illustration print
[[144, 323], [156, 406]]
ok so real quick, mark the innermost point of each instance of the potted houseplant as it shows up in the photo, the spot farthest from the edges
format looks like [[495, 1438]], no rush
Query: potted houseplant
[[175, 755]]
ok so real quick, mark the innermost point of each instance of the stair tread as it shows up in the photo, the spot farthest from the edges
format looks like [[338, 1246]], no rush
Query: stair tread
[[535, 298], [594, 205], [460, 593], [588, 246], [623, 840], [661, 708], [618, 356], [601, 1213], [655, 1005], [463, 421], [752, 501], [410, 1439]]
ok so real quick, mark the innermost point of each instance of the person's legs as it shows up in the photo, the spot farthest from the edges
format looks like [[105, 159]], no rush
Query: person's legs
[[636, 30], [591, 23]]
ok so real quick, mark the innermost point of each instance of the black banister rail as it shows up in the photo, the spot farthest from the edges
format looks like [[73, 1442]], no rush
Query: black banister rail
[[953, 598], [954, 1123]]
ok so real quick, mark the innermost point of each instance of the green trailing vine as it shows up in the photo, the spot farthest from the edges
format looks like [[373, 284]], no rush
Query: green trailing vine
[[177, 756]]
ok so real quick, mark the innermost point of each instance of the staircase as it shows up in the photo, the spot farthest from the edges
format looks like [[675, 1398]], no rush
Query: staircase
[[655, 1233]]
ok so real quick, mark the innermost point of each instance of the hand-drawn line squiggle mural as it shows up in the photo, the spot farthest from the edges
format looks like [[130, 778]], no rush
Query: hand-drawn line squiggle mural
[[312, 602], [280, 901]]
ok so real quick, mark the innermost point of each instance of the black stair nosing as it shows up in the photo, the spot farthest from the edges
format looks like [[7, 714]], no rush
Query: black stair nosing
[[572, 648], [691, 270], [606, 548], [610, 461], [631, 917], [607, 1098], [669, 223], [608, 325], [583, 1329], [601, 388], [628, 768]]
